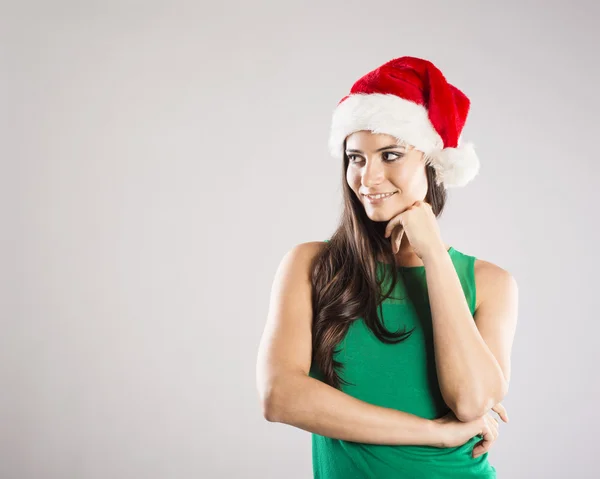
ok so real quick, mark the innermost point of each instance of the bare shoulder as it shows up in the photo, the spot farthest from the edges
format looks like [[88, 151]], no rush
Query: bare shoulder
[[311, 248], [305, 253], [295, 267], [491, 279]]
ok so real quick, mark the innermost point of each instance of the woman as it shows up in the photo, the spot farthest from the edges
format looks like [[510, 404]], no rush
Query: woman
[[390, 346]]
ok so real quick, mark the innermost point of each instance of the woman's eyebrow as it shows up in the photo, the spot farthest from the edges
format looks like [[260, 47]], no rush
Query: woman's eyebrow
[[380, 149]]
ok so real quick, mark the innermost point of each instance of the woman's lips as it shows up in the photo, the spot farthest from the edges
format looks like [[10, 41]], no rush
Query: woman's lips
[[377, 201]]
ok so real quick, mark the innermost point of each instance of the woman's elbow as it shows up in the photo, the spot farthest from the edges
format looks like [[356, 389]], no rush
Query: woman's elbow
[[271, 402], [468, 414]]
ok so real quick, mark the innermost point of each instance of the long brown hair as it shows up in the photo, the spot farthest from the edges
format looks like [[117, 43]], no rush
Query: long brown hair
[[344, 279]]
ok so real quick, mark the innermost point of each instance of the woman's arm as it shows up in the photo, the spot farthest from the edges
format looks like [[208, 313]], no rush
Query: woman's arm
[[314, 406], [472, 356], [289, 395]]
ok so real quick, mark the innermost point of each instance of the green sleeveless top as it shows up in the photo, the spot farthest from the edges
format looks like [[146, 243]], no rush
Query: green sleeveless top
[[400, 376]]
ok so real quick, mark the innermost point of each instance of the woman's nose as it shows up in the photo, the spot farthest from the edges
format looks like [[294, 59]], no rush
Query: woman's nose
[[372, 173]]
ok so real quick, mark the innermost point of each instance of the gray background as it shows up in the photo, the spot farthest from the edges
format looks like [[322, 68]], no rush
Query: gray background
[[159, 159]]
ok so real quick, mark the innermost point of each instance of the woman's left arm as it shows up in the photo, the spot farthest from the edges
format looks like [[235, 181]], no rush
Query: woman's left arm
[[472, 352]]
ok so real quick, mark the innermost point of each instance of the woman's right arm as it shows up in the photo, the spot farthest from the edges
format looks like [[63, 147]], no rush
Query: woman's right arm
[[289, 395]]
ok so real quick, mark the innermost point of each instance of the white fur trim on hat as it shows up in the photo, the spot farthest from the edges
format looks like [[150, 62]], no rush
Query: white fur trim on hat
[[383, 113], [454, 167], [409, 123]]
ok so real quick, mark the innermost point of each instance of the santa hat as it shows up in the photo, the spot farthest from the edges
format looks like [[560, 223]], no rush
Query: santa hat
[[410, 99]]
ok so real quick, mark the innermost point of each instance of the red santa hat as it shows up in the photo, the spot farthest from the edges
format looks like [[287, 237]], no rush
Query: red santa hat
[[410, 99]]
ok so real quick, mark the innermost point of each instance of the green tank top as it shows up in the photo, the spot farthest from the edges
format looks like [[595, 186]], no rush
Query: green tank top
[[400, 376]]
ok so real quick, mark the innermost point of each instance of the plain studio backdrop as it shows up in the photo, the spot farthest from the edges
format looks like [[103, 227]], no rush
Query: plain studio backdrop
[[160, 158]]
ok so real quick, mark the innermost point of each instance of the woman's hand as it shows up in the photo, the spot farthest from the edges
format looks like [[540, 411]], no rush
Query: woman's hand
[[456, 433], [483, 446], [421, 228]]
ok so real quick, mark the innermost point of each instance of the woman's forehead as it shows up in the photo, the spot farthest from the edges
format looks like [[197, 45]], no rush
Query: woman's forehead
[[368, 140]]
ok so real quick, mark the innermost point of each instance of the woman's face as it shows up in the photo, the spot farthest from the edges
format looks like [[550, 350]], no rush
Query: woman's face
[[377, 164]]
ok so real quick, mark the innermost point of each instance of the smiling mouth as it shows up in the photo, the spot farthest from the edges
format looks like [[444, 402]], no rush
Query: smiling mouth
[[379, 196]]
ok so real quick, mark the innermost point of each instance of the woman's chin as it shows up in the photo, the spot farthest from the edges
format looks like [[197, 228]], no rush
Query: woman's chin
[[380, 214]]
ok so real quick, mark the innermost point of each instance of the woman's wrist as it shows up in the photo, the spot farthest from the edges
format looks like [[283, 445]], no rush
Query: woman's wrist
[[436, 433]]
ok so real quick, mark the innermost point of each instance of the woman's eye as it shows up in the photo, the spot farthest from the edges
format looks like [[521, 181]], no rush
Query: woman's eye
[[397, 155]]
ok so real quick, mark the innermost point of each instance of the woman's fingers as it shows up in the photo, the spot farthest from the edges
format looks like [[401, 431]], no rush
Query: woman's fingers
[[391, 225], [397, 238], [395, 230], [490, 434], [481, 447], [499, 408]]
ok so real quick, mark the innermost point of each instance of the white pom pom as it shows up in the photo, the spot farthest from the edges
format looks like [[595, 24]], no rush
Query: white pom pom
[[455, 167]]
